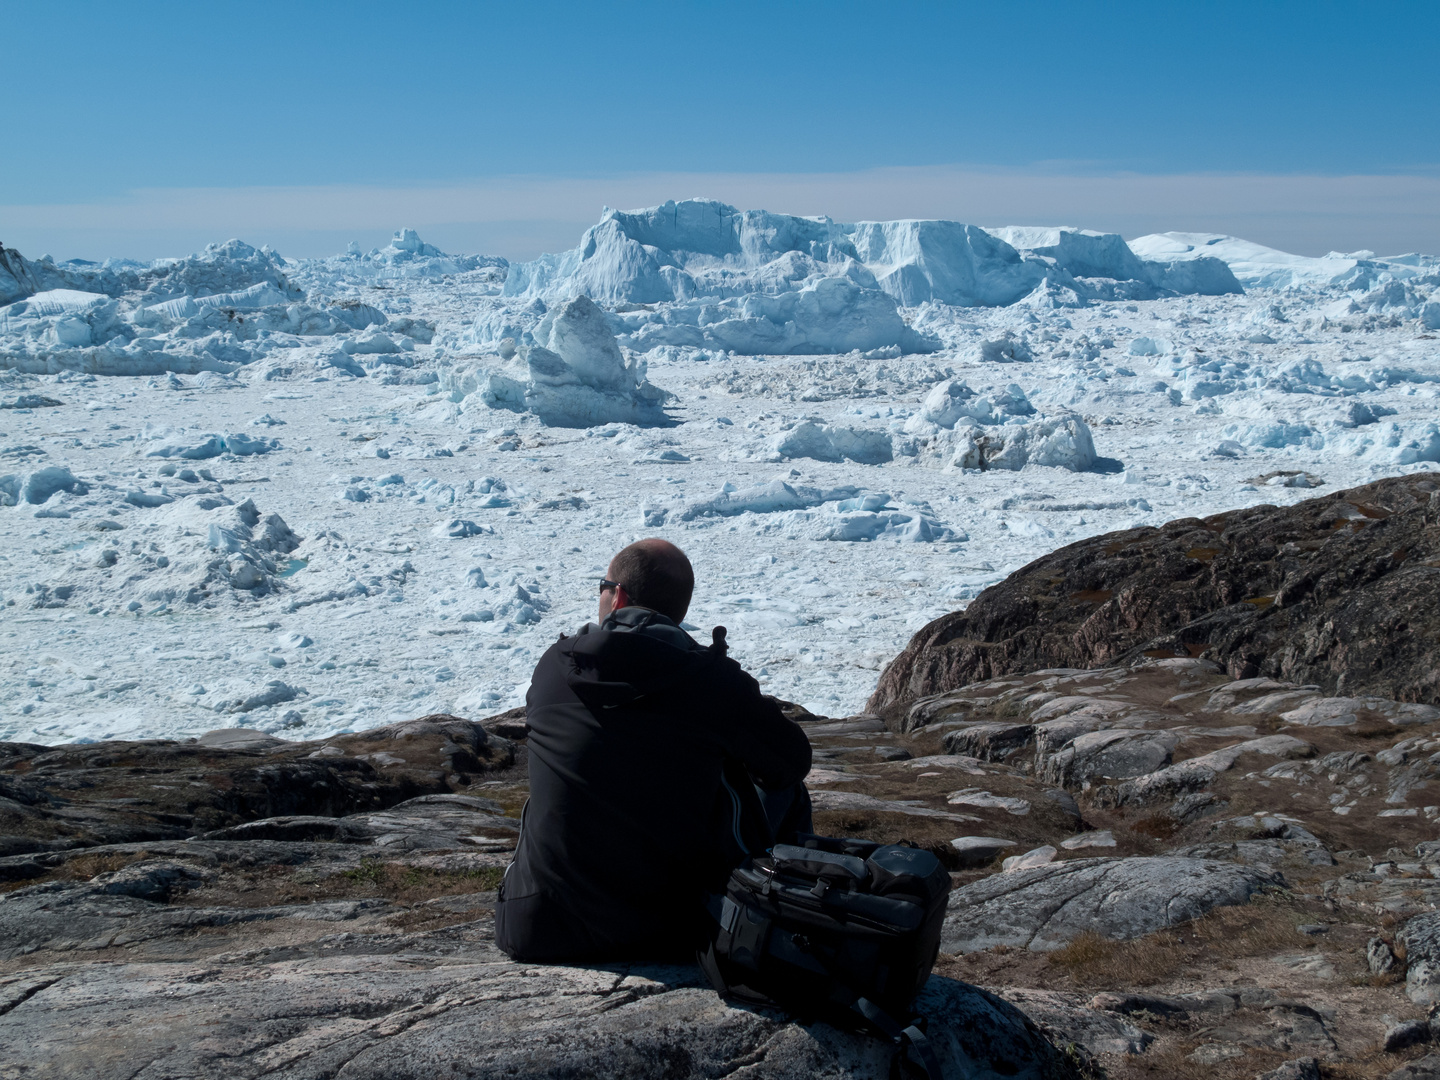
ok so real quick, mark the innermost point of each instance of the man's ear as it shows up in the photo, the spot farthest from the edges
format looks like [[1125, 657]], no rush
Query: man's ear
[[622, 599]]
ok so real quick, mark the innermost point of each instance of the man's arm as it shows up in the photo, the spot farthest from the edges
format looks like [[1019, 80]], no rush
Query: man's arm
[[752, 729]]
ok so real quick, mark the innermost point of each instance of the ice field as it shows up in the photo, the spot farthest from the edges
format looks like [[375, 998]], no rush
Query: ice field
[[321, 495]]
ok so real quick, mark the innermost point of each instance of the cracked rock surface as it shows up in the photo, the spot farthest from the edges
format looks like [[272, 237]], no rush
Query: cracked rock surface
[[105, 979], [1044, 907]]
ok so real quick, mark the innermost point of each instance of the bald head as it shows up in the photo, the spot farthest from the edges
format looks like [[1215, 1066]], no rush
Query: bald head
[[654, 573]]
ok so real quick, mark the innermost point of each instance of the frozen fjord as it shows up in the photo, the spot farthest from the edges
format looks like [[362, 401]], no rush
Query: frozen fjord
[[319, 495]]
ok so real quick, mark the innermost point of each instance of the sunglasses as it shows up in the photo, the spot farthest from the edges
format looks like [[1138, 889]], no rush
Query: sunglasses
[[606, 584]]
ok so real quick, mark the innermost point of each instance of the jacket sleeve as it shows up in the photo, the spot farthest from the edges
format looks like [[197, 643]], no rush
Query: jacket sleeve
[[751, 728]]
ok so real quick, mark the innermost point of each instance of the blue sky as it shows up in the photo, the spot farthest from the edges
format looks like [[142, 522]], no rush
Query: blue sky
[[133, 128]]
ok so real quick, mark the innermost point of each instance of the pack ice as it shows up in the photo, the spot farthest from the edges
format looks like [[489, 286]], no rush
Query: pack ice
[[319, 495]]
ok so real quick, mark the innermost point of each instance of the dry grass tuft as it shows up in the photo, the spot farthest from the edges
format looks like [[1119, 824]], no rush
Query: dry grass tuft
[[1173, 1063], [1085, 951], [1263, 927], [1156, 826], [412, 884]]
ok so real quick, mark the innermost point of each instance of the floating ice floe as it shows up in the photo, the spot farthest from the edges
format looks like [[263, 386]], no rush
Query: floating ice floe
[[863, 519], [833, 442], [204, 551], [1380, 443], [802, 512], [459, 529], [765, 499], [36, 488], [197, 446]]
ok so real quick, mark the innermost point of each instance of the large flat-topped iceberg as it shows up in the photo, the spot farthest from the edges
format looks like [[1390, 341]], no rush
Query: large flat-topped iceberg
[[1257, 266], [701, 249], [916, 261]]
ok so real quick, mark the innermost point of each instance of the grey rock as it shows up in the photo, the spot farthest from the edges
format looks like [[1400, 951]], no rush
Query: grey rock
[[1043, 907], [1345, 712], [1065, 1019], [1420, 937], [1266, 852], [122, 909], [1404, 1035], [93, 794], [1193, 807], [367, 1009], [1130, 1004], [940, 707], [428, 822], [1378, 956], [1214, 1053], [853, 800], [1307, 1068], [1197, 773], [1066, 802], [863, 724], [1097, 602], [1118, 753], [1425, 1068], [239, 739], [989, 742], [1052, 736], [1166, 784], [978, 850], [1297, 1025]]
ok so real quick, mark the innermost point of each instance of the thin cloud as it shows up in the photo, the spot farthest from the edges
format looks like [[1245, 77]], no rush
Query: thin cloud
[[518, 216]]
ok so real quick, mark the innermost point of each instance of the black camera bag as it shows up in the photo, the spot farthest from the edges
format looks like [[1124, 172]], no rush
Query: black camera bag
[[833, 929]]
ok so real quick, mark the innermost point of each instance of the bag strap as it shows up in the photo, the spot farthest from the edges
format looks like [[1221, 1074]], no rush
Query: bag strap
[[905, 1039], [706, 959]]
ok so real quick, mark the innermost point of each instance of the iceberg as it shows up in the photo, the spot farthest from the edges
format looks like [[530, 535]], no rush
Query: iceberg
[[704, 275], [956, 428], [1257, 266], [961, 265], [405, 257], [573, 375], [1058, 442]]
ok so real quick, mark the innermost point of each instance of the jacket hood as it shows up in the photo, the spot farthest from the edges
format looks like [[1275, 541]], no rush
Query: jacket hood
[[635, 652]]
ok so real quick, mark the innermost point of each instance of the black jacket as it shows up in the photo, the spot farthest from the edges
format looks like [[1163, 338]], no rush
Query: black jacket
[[630, 726]]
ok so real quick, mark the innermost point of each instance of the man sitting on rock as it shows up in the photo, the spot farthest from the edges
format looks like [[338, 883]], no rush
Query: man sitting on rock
[[656, 765]]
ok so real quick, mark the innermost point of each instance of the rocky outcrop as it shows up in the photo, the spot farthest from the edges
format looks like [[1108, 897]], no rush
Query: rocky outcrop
[[1420, 939], [296, 930], [1044, 907], [1341, 592], [336, 989], [53, 798]]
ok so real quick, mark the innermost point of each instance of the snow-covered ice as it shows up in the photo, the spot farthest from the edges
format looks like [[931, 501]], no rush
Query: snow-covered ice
[[325, 494]]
